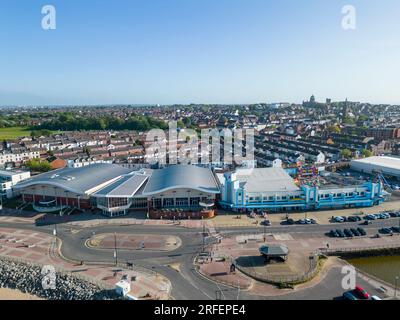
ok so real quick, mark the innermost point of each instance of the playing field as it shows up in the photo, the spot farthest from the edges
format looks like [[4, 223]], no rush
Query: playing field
[[14, 132]]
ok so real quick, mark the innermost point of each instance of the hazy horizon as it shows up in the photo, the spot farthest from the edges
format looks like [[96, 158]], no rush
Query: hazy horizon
[[141, 52]]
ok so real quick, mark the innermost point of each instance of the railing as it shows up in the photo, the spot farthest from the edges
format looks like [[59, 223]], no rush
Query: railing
[[335, 251], [289, 279]]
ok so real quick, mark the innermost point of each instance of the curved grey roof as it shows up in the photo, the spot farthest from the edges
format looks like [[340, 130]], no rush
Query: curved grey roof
[[181, 177], [78, 180]]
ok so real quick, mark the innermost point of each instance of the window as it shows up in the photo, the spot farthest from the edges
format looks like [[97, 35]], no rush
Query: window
[[117, 202], [182, 202], [194, 201], [169, 202], [157, 203], [139, 203]]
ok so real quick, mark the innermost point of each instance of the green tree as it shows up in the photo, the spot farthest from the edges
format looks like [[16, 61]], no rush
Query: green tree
[[38, 165], [346, 153], [366, 153]]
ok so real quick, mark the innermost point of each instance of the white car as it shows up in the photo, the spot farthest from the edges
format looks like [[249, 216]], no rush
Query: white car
[[375, 298], [339, 219], [372, 217]]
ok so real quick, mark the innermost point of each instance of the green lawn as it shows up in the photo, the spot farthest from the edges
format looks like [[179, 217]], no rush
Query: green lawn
[[14, 132]]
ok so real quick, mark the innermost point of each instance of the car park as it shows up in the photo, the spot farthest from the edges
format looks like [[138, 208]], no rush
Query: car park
[[348, 233], [349, 296], [362, 231], [386, 231], [361, 292]]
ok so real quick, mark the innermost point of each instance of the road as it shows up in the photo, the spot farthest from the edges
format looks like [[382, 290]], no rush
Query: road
[[187, 283]]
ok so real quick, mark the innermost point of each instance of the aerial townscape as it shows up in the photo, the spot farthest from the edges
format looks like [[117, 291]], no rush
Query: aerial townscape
[[81, 189], [202, 158]]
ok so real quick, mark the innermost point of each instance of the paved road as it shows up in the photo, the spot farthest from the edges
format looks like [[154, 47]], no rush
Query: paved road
[[188, 284]]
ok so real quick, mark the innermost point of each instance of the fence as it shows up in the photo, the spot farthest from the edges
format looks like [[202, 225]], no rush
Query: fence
[[289, 279], [338, 251]]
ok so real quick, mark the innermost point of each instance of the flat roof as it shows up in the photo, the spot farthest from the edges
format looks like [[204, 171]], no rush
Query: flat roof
[[266, 180], [12, 172], [389, 162], [78, 180], [181, 177], [274, 250]]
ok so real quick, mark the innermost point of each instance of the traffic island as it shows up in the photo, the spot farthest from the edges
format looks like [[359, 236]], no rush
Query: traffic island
[[134, 242]]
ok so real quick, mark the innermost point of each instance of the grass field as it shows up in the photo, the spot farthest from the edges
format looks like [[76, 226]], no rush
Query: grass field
[[14, 132]]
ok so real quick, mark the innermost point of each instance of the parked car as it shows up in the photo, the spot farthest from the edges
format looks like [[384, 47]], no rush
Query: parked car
[[375, 298], [361, 292], [340, 233], [313, 221], [266, 223], [334, 234], [367, 222], [302, 221], [348, 233], [396, 229], [355, 232], [308, 221], [354, 218], [339, 219], [386, 231], [371, 217], [349, 296], [384, 216], [290, 221], [362, 231]]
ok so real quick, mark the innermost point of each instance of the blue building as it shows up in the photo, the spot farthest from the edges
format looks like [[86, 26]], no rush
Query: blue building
[[274, 190]]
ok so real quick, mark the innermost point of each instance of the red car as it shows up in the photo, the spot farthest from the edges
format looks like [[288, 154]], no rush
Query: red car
[[362, 293]]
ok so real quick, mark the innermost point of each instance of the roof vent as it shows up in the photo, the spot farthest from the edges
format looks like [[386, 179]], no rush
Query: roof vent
[[68, 178]]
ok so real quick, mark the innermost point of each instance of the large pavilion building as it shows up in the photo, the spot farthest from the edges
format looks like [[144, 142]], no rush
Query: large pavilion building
[[175, 191]]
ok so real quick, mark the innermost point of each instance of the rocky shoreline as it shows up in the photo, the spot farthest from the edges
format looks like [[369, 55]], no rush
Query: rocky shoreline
[[27, 278]]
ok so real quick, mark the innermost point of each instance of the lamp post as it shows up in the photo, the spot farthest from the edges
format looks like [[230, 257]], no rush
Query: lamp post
[[204, 235], [115, 249]]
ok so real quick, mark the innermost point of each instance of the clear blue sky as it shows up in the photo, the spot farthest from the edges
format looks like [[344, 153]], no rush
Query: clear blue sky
[[200, 51]]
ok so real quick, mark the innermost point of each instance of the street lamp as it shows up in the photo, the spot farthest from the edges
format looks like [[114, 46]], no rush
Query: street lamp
[[115, 249]]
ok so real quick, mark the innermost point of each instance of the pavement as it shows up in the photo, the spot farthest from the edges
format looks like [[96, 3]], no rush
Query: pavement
[[40, 248], [186, 282]]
